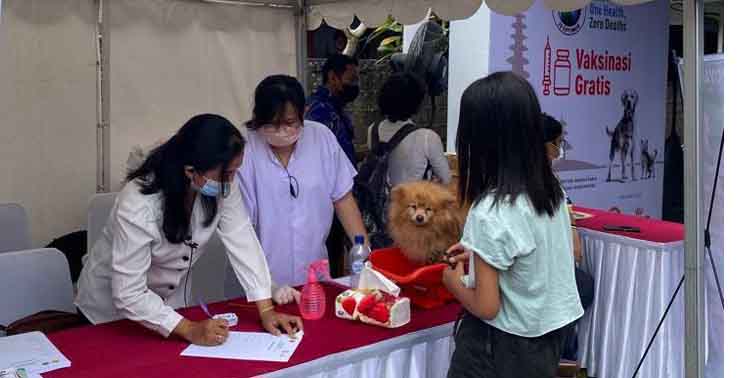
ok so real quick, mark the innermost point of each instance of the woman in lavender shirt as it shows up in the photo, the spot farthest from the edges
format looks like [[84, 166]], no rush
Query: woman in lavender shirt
[[293, 177]]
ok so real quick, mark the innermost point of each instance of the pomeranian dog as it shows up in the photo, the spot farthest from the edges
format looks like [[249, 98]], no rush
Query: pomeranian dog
[[424, 220]]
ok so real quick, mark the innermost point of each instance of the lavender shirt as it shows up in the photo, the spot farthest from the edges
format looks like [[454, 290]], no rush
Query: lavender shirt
[[293, 231]]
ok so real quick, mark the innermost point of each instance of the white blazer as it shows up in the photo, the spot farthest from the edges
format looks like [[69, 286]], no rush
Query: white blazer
[[133, 272]]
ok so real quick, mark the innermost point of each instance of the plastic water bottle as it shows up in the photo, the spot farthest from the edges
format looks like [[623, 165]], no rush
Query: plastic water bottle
[[312, 304], [357, 257]]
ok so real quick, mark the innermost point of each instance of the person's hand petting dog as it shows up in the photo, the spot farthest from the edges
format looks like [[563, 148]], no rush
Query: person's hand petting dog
[[456, 256], [457, 253]]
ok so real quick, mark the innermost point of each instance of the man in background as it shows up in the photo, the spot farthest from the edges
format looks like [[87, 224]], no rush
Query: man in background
[[326, 105]]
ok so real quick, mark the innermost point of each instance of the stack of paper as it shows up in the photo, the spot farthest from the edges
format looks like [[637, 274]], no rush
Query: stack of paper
[[17, 373], [32, 351], [254, 346]]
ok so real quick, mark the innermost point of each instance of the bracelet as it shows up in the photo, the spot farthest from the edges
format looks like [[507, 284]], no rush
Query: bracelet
[[266, 309]]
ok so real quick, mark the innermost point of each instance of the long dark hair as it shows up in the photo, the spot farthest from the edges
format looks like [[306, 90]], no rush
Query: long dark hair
[[205, 142], [272, 95], [500, 144]]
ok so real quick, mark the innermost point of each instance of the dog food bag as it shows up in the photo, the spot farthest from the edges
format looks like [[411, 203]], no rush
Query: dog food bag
[[373, 306]]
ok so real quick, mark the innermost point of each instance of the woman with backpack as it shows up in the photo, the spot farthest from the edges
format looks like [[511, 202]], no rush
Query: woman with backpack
[[400, 151], [419, 155]]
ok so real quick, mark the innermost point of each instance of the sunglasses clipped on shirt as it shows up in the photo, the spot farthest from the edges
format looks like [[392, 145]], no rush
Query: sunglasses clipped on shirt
[[293, 185]]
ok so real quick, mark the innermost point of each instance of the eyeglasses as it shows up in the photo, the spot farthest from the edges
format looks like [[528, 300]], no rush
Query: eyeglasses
[[557, 146], [293, 184]]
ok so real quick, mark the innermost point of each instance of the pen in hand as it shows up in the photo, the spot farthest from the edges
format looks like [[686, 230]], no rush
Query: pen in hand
[[204, 308]]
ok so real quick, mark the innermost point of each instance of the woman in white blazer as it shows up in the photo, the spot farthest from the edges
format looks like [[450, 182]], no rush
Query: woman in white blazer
[[169, 208]]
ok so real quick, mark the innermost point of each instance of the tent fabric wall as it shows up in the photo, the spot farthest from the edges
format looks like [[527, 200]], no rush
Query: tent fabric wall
[[170, 60], [48, 112]]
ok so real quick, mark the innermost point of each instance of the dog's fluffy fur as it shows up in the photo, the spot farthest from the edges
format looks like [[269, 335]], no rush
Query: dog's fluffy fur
[[424, 220]]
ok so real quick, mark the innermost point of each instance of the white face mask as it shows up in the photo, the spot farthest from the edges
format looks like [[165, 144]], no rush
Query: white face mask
[[561, 152], [559, 149], [283, 137]]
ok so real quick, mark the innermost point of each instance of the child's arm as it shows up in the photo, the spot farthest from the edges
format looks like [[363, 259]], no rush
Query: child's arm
[[482, 301]]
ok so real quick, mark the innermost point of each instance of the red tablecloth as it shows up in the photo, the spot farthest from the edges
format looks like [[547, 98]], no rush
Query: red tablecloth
[[126, 349], [651, 230]]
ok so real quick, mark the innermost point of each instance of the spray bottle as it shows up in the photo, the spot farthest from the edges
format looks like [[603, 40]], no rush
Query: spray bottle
[[312, 304]]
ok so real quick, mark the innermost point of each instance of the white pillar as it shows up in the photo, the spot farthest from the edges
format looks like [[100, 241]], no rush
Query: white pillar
[[468, 61], [300, 17]]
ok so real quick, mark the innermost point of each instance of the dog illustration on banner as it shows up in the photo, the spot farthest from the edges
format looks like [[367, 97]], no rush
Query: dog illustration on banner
[[648, 160], [621, 138]]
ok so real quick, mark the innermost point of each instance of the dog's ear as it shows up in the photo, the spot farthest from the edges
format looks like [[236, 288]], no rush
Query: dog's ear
[[448, 200], [397, 194], [635, 98], [624, 98]]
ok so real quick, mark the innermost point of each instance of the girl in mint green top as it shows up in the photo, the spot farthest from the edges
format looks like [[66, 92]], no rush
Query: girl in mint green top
[[523, 291]]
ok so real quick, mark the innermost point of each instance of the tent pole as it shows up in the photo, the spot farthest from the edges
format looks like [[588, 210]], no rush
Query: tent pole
[[101, 39], [694, 281], [301, 21], [262, 4], [720, 43]]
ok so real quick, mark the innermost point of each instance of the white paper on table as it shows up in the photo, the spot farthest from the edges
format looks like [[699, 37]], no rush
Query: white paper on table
[[32, 351], [252, 346], [17, 373]]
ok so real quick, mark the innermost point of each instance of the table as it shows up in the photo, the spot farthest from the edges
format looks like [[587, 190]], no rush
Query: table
[[635, 276], [331, 347]]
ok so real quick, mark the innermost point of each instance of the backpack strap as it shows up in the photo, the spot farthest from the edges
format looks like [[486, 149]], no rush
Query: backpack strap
[[400, 135], [375, 143]]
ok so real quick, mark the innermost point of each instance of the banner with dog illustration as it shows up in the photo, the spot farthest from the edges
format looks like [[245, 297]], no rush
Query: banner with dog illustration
[[601, 71]]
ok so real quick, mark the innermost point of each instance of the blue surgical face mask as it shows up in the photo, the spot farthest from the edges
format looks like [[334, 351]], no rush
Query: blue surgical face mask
[[212, 188]]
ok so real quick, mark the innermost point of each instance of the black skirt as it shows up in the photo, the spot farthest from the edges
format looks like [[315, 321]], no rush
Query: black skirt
[[485, 351]]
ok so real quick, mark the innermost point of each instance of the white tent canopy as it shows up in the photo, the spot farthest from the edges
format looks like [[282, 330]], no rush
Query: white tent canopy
[[339, 13], [372, 12]]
